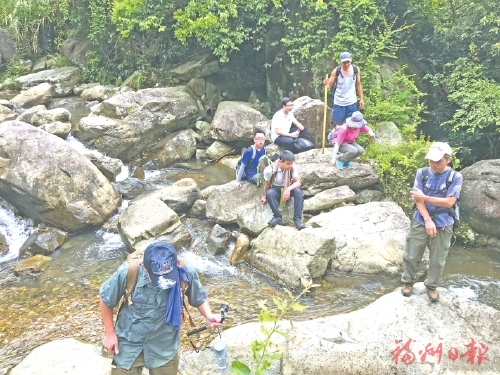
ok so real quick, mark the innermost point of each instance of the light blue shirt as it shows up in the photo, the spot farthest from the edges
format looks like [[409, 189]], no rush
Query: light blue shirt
[[141, 326], [436, 183]]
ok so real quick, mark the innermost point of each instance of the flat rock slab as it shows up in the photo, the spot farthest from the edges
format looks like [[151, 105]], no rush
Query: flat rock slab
[[66, 356]]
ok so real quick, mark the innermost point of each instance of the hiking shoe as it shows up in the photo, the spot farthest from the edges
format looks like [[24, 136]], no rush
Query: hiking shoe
[[407, 290], [433, 295], [349, 165], [299, 224], [340, 164], [275, 221]]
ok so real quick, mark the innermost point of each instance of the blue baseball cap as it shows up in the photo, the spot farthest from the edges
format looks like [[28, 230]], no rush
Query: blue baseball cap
[[345, 56], [160, 260]]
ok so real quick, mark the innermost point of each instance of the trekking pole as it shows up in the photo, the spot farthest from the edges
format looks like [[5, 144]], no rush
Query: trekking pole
[[324, 122]]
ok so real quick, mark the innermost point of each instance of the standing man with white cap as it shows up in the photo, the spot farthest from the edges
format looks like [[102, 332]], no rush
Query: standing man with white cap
[[435, 192], [347, 80]]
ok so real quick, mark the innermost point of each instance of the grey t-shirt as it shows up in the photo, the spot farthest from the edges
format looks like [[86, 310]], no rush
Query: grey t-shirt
[[345, 93], [278, 179]]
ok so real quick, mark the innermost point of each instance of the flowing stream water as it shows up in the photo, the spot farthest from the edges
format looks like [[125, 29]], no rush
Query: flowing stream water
[[63, 300]]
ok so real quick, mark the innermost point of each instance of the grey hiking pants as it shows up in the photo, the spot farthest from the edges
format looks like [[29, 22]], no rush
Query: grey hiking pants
[[350, 151], [273, 197], [416, 242]]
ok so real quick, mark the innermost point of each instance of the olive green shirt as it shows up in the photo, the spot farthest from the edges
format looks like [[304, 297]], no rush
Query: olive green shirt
[[141, 325]]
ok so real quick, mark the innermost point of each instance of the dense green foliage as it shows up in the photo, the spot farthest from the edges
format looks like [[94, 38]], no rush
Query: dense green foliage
[[448, 88]]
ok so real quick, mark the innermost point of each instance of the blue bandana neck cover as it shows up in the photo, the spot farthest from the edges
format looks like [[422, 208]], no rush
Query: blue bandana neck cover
[[173, 314]]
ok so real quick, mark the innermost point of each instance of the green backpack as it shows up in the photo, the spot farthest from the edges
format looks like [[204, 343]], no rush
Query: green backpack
[[265, 161]]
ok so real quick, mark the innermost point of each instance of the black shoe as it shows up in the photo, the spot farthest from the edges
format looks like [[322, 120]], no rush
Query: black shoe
[[299, 224], [275, 221]]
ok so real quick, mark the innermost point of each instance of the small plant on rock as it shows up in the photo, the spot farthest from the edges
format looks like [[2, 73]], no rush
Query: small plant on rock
[[265, 351]]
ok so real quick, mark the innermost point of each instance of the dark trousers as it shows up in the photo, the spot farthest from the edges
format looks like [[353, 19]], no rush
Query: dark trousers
[[287, 142], [273, 196]]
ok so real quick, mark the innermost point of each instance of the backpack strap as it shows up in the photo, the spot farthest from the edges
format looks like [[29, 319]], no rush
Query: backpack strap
[[354, 69], [425, 175], [132, 275]]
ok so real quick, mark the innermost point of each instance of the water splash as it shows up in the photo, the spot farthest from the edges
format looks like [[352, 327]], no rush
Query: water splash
[[208, 265], [16, 231]]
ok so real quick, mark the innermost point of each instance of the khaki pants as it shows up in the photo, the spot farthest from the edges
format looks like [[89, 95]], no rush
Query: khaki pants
[[416, 241], [169, 368]]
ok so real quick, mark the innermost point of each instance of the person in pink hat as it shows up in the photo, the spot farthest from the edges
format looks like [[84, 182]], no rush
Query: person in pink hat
[[343, 139]]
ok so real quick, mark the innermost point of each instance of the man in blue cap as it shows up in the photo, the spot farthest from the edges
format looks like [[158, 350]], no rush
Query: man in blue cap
[[147, 331], [347, 80]]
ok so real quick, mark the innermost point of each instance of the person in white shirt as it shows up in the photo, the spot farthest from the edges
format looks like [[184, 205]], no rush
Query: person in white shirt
[[285, 128], [282, 183]]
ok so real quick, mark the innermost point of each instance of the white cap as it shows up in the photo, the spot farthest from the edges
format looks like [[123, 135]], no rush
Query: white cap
[[438, 150]]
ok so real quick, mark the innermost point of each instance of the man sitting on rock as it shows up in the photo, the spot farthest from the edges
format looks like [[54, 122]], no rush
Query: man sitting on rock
[[249, 162], [432, 222], [282, 181], [285, 128]]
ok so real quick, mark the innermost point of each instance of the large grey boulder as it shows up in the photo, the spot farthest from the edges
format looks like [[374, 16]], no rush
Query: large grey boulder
[[61, 80], [131, 187], [109, 167], [316, 176], [147, 220], [358, 343], [27, 115], [64, 356], [370, 340], [225, 205], [480, 197], [49, 181], [217, 150], [57, 128], [310, 113], [44, 241], [99, 92], [39, 95], [179, 196], [176, 147], [369, 238], [288, 255], [111, 136], [128, 123], [51, 115], [7, 46], [329, 198], [217, 239], [200, 65], [31, 265], [5, 110], [236, 121], [6, 114]]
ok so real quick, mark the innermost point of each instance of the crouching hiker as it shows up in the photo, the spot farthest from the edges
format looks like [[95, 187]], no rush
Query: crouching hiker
[[147, 330], [282, 181], [343, 139]]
